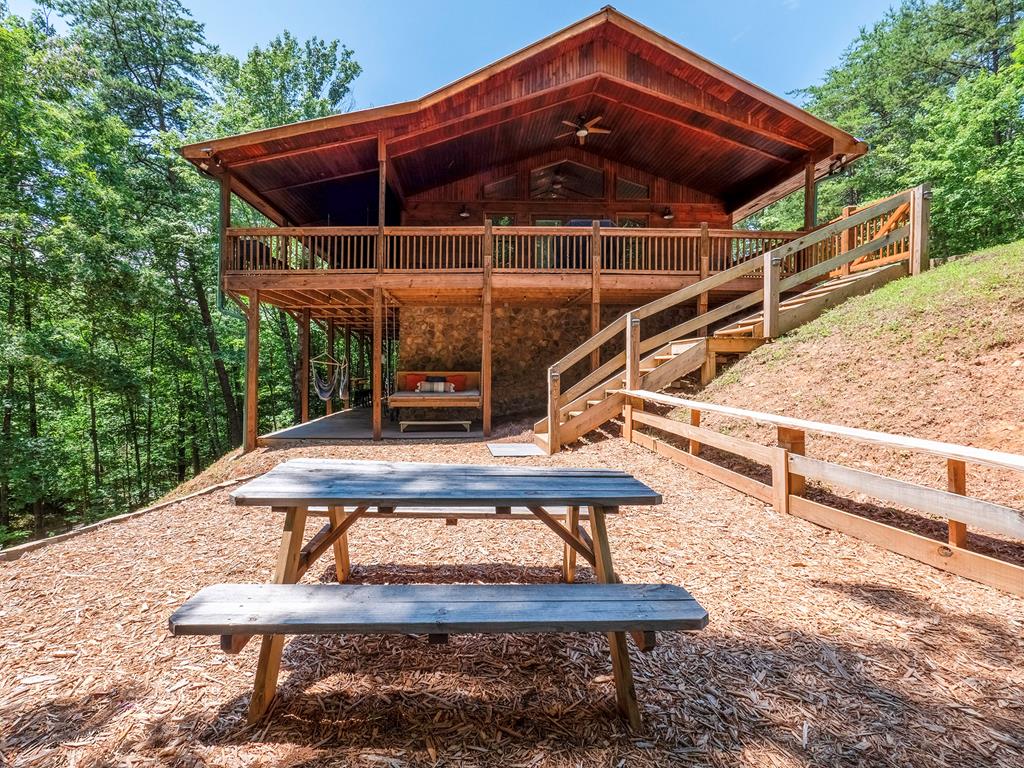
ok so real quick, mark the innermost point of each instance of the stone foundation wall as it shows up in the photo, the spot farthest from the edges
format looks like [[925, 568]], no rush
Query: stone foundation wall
[[526, 340]]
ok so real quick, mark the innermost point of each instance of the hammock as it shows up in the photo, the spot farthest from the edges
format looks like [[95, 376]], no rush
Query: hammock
[[334, 382]]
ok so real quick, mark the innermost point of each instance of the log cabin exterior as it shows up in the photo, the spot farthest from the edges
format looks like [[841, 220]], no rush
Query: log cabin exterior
[[535, 199]]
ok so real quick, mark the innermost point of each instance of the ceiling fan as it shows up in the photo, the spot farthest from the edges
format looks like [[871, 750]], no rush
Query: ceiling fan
[[581, 128]]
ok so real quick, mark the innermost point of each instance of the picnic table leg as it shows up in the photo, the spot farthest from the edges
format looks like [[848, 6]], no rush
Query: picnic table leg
[[270, 649], [572, 520], [341, 561], [625, 692]]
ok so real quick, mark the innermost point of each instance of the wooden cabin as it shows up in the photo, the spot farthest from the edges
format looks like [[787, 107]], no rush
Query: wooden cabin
[[493, 225]]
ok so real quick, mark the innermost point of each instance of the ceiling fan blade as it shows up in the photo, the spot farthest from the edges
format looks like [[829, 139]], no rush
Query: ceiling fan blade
[[567, 133], [571, 124], [600, 130], [591, 122]]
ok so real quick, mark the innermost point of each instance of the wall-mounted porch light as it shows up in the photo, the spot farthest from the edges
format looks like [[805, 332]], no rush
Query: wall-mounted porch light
[[464, 212], [667, 214]]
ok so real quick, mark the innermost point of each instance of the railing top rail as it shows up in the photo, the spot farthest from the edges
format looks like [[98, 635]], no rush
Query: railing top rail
[[984, 456], [475, 231], [837, 226], [298, 231], [755, 233]]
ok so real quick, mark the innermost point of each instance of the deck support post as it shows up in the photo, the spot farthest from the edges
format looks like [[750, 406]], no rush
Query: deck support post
[[382, 185], [595, 291], [225, 223], [304, 366], [772, 276], [329, 405], [810, 197], [375, 373], [252, 372], [956, 476], [485, 332], [920, 201], [346, 396]]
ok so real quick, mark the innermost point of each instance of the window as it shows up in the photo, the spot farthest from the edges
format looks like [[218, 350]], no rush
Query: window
[[502, 189], [566, 180], [631, 190]]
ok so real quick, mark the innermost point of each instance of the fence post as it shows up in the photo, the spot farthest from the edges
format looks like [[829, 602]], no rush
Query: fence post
[[781, 480], [694, 422], [920, 202], [772, 275], [632, 352], [794, 441], [956, 477]]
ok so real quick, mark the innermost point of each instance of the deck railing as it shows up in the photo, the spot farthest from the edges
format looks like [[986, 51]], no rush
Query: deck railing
[[696, 251]]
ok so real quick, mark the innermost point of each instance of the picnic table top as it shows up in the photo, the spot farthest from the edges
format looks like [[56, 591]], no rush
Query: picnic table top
[[337, 482]]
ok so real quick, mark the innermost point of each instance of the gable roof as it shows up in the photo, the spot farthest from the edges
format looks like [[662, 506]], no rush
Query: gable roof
[[672, 112]]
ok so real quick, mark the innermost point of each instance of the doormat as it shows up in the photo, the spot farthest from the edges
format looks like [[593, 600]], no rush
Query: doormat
[[505, 450]]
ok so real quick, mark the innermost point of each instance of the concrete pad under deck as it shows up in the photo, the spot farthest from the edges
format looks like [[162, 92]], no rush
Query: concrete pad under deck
[[356, 424]]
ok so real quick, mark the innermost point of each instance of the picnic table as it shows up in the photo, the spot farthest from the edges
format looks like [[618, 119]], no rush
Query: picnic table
[[348, 491]]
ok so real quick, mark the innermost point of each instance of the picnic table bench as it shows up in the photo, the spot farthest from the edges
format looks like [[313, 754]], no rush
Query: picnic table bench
[[347, 491]]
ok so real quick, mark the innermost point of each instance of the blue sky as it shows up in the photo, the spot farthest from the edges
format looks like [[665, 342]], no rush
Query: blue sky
[[408, 48]]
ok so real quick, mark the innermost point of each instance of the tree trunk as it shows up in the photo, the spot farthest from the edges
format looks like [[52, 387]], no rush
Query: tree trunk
[[231, 408]]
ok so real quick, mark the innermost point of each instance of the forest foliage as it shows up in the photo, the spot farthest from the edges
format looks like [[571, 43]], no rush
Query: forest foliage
[[120, 376]]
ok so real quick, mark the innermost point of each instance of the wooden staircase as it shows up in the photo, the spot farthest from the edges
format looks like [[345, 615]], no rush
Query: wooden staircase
[[852, 255]]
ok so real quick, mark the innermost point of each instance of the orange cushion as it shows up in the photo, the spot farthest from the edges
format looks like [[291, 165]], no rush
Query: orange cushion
[[411, 380], [459, 380]]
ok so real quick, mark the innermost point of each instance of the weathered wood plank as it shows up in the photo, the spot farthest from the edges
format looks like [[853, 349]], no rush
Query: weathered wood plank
[[974, 512], [226, 609], [307, 482]]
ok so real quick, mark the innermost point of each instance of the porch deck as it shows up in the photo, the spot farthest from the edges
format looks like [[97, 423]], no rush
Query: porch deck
[[357, 424]]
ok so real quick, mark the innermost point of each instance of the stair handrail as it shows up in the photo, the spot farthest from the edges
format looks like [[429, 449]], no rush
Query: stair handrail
[[773, 285]]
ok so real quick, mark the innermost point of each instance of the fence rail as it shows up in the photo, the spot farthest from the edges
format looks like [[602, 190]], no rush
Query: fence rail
[[790, 470]]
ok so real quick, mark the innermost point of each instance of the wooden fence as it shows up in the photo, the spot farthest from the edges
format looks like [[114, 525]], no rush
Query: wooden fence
[[790, 469]]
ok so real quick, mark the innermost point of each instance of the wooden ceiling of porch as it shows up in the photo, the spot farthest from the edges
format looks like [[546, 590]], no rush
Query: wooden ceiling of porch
[[671, 113]]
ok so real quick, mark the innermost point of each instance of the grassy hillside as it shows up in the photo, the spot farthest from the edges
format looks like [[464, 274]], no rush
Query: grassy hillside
[[939, 356]]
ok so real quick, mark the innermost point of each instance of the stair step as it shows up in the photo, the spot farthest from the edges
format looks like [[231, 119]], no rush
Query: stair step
[[594, 402], [646, 368], [663, 358], [574, 414]]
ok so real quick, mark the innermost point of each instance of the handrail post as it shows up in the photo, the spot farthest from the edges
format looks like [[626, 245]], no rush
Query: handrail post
[[846, 239], [554, 411], [772, 276], [920, 200], [595, 290], [705, 271], [632, 352]]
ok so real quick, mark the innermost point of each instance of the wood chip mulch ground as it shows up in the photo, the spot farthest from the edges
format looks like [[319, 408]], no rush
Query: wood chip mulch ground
[[821, 650]]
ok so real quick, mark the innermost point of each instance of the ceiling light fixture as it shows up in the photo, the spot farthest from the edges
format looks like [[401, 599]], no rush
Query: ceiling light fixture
[[463, 212], [667, 214]]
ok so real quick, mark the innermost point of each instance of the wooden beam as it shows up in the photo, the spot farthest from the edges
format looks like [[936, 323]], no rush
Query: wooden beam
[[329, 405], [632, 351], [920, 200], [486, 341], [705, 272], [304, 366], [382, 186], [810, 196], [956, 476], [252, 371], [595, 290], [225, 224], [772, 277], [378, 333]]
